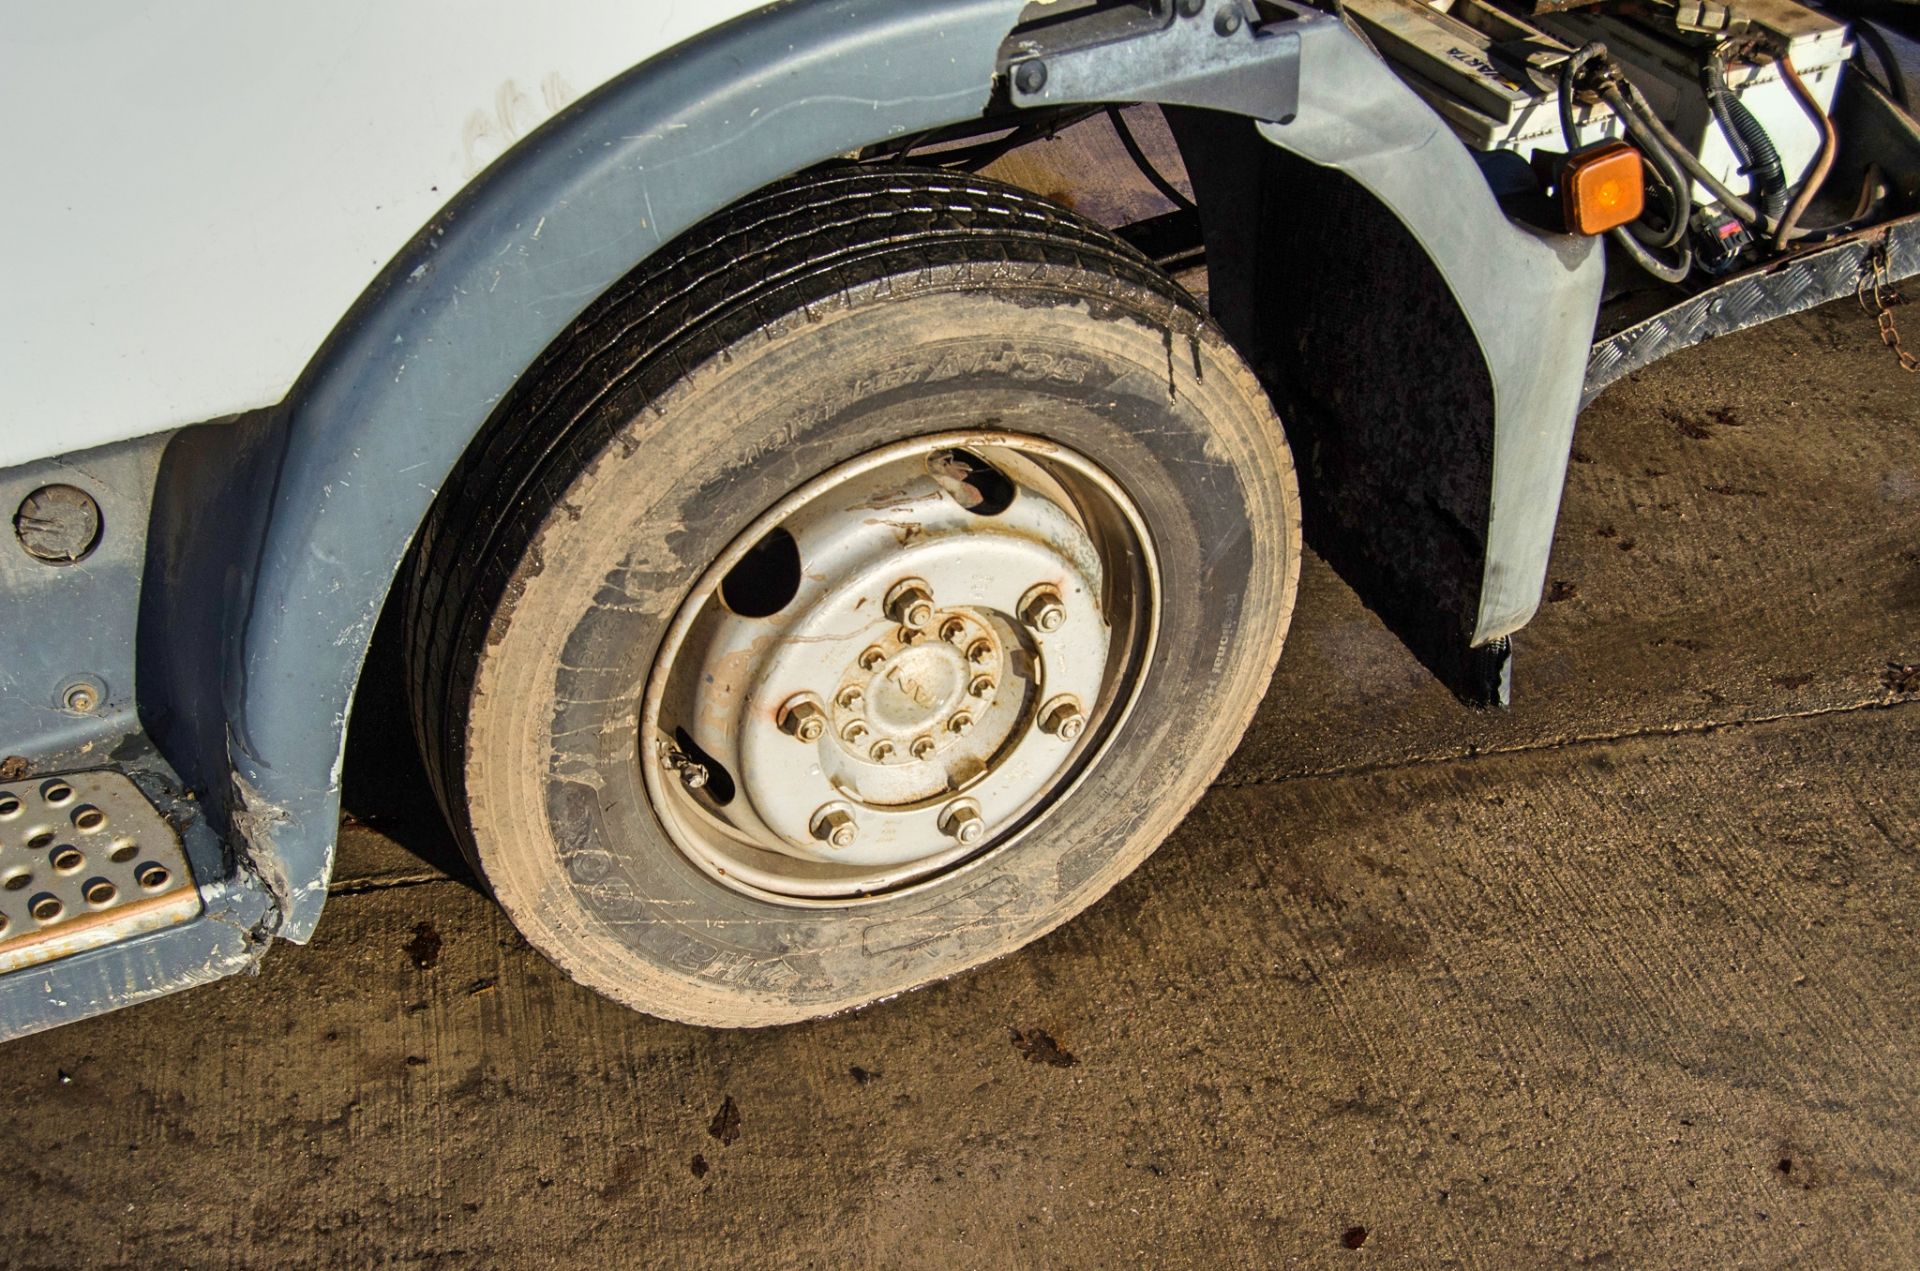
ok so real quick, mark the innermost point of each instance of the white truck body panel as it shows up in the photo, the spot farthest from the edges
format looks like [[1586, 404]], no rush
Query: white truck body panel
[[198, 191]]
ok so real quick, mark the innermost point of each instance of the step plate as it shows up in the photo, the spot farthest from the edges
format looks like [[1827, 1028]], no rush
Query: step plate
[[85, 860]]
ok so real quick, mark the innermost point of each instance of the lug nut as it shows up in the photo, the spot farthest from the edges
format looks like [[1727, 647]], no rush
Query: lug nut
[[881, 750], [802, 717], [833, 824], [960, 723], [962, 821], [980, 652], [980, 685], [910, 603], [872, 657], [1041, 609], [851, 699], [1062, 717], [922, 748]]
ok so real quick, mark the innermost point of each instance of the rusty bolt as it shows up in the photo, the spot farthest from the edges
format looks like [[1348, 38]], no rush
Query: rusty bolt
[[881, 750], [802, 717], [833, 824], [960, 723], [1041, 609], [1062, 717], [922, 748], [693, 774], [980, 685], [962, 821], [910, 603]]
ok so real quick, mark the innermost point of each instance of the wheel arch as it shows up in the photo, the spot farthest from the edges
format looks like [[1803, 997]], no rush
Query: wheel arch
[[388, 406]]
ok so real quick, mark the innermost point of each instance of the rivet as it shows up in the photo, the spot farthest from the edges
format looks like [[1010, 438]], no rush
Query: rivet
[[80, 697], [854, 731], [952, 629], [980, 652], [960, 723], [851, 699], [880, 751], [1192, 8], [922, 748], [872, 657], [1030, 76], [981, 685], [1227, 21]]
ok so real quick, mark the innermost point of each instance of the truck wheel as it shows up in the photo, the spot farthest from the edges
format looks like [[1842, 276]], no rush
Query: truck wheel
[[852, 595]]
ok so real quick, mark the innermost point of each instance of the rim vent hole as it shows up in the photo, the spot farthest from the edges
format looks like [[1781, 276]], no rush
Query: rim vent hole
[[766, 579]]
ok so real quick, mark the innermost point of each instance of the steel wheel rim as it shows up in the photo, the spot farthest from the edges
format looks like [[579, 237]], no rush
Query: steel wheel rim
[[971, 620]]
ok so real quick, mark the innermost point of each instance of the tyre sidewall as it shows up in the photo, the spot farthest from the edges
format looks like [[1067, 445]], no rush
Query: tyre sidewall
[[558, 809]]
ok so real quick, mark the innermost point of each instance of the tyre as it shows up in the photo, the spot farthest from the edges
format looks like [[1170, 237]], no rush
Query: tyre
[[851, 596]]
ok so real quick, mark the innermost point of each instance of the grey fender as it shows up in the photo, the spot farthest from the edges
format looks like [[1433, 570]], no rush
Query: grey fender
[[388, 406]]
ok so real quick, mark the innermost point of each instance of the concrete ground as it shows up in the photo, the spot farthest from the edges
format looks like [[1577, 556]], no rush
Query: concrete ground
[[1626, 975]]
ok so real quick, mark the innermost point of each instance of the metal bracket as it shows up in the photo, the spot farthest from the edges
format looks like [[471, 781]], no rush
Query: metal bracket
[[1213, 54]]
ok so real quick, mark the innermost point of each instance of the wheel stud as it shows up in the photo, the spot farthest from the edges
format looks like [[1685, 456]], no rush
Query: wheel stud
[[962, 821], [1041, 609], [910, 603], [833, 824], [881, 750], [851, 699], [802, 717], [922, 748], [980, 652], [1062, 717], [981, 685], [960, 723]]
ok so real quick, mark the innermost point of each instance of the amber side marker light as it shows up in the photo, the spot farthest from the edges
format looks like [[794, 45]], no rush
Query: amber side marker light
[[1602, 186]]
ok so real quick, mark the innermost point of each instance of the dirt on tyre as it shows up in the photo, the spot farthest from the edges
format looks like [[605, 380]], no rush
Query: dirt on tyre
[[851, 596]]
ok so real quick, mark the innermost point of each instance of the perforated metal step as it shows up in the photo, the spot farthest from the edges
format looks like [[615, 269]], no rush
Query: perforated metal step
[[85, 860]]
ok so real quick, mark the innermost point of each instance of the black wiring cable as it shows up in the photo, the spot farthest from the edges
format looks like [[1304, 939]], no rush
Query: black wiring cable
[[1742, 210], [1665, 169], [978, 155], [1168, 189], [1747, 137]]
